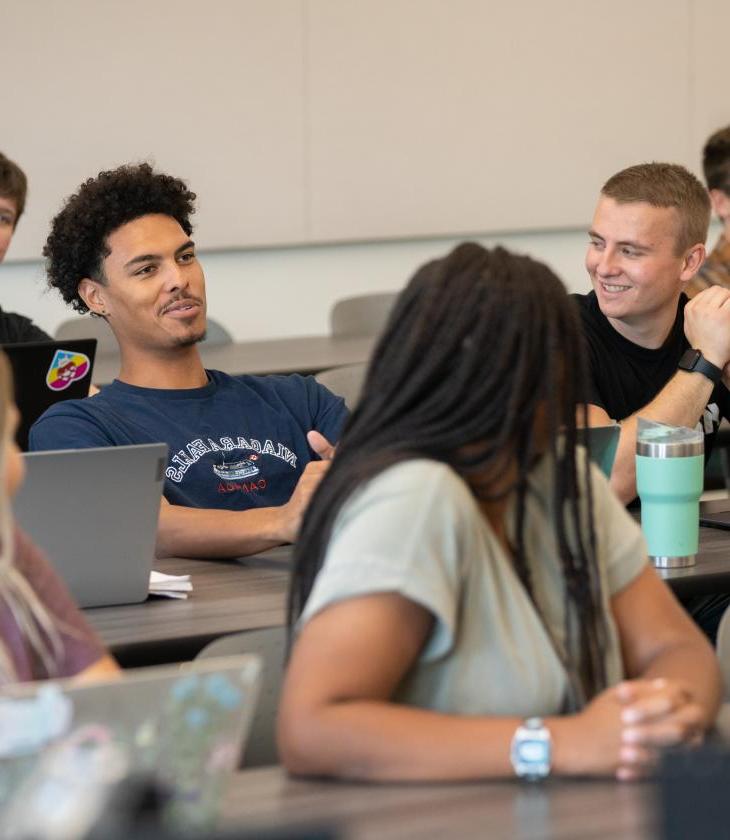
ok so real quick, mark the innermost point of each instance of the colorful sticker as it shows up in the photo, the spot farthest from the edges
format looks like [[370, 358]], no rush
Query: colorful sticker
[[66, 367]]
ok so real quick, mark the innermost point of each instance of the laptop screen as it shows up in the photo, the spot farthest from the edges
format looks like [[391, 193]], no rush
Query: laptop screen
[[46, 372]]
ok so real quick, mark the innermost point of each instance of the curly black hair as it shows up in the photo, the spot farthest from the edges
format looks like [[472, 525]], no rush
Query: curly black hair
[[77, 243]]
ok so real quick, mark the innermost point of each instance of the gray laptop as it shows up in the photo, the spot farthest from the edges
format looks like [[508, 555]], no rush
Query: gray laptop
[[65, 747], [94, 513]]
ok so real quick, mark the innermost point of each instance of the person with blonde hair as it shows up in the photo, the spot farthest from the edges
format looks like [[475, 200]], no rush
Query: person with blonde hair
[[42, 632]]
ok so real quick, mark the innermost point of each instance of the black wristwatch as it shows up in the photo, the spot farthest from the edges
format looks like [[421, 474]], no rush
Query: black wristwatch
[[693, 360]]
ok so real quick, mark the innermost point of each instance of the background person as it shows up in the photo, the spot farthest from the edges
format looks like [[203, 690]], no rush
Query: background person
[[715, 271], [14, 328], [462, 567], [651, 353], [42, 632]]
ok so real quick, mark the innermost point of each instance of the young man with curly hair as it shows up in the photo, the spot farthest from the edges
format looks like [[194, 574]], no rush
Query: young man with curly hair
[[716, 165], [246, 452], [14, 328]]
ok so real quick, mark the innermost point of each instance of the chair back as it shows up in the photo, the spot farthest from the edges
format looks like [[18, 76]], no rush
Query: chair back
[[270, 644], [216, 334], [87, 326], [345, 381], [361, 315]]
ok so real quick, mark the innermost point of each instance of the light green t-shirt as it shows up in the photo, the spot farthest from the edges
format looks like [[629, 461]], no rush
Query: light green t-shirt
[[416, 529]]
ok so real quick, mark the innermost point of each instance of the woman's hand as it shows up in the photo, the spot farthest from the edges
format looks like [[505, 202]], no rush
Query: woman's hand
[[621, 731], [589, 742], [655, 713]]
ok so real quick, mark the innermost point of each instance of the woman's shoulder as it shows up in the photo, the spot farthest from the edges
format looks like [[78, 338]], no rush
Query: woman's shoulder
[[416, 486], [419, 476]]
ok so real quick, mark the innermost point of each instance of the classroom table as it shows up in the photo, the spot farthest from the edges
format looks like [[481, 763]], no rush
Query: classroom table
[[248, 594], [228, 596], [306, 354], [496, 810], [710, 574], [568, 809]]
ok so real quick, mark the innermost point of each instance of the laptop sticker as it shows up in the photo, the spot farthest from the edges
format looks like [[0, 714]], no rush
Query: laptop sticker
[[66, 367]]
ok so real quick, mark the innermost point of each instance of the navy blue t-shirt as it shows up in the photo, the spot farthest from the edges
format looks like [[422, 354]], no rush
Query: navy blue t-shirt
[[237, 443]]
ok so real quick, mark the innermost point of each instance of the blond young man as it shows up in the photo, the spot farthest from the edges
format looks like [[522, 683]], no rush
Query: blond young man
[[651, 353]]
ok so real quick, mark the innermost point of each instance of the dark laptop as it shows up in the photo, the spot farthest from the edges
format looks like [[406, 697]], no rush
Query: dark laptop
[[47, 372], [715, 513], [692, 793]]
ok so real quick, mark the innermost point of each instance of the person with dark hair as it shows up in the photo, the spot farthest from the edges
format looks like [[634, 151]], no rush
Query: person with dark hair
[[468, 597], [651, 353], [14, 328], [246, 452], [715, 270]]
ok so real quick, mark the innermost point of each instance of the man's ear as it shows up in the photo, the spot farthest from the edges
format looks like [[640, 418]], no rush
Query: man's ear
[[693, 260], [92, 294]]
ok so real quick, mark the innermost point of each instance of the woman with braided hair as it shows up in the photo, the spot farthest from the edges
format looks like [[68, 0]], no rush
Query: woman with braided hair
[[468, 598], [42, 632]]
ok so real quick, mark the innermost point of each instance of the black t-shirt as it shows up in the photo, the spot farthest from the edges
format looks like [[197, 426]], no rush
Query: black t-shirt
[[624, 377], [17, 329]]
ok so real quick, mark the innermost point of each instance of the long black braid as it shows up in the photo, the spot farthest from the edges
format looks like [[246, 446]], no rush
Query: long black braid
[[479, 345]]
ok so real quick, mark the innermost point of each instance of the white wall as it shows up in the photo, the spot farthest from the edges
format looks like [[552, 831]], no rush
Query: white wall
[[318, 121], [272, 293], [279, 292]]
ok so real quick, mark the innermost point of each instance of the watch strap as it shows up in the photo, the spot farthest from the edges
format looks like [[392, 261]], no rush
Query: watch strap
[[692, 360], [531, 750]]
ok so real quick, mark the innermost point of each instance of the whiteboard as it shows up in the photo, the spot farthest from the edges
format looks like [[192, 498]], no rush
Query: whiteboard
[[306, 121]]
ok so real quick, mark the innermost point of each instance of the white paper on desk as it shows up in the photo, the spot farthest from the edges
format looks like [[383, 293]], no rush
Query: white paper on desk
[[169, 593], [172, 586]]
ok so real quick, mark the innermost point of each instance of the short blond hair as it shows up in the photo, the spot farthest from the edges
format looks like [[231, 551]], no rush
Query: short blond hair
[[666, 185]]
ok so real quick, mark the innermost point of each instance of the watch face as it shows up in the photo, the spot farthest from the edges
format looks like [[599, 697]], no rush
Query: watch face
[[533, 751], [689, 358]]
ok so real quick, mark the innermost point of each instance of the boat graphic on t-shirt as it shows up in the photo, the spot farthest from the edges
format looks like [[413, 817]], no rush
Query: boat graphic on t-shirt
[[242, 468]]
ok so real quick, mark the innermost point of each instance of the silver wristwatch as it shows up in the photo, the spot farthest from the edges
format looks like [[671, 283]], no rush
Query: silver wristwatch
[[531, 750]]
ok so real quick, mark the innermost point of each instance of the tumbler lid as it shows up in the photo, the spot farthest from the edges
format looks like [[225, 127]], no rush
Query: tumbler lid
[[658, 440]]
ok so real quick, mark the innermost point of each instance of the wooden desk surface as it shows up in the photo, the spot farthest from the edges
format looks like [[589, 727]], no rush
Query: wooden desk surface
[[711, 573], [227, 597], [230, 596], [495, 810], [561, 809], [307, 354]]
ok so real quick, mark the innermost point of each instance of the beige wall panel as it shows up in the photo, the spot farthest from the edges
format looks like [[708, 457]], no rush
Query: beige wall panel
[[436, 116], [711, 79], [212, 92]]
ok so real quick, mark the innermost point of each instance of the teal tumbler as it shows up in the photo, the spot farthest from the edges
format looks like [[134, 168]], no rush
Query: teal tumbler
[[670, 467]]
